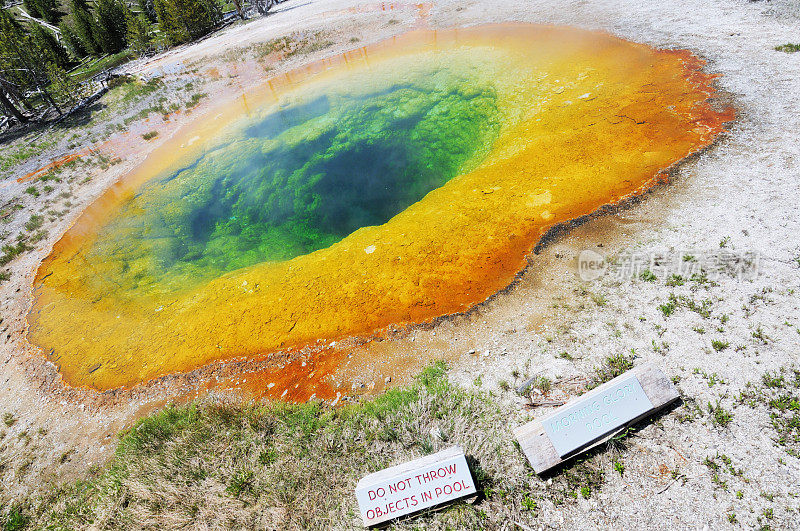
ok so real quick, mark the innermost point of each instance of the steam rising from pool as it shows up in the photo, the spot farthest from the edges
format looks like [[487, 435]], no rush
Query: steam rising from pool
[[298, 179]]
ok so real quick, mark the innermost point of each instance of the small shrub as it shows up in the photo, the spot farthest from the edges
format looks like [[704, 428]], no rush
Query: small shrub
[[38, 236], [34, 223], [528, 503], [240, 483], [773, 380], [669, 307], [195, 99], [719, 345], [612, 367], [788, 48], [647, 276], [150, 135], [599, 299], [760, 335], [675, 280], [719, 415], [267, 456], [9, 419], [12, 251], [543, 384]]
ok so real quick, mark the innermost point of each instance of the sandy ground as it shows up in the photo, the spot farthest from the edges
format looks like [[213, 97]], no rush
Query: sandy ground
[[739, 196]]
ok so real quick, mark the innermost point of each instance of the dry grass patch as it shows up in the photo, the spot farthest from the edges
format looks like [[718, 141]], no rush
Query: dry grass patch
[[216, 464]]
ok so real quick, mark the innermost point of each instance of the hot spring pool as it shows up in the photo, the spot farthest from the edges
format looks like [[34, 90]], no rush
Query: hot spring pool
[[390, 185]]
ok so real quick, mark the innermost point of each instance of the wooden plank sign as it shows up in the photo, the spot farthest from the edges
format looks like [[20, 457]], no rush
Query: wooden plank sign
[[589, 418], [414, 485]]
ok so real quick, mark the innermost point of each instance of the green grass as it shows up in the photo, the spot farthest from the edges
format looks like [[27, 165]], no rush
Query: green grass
[[11, 158], [612, 366], [719, 345], [788, 48], [12, 251], [34, 223], [9, 419], [780, 392], [95, 66], [675, 280], [15, 519], [227, 465], [647, 276], [669, 307], [542, 383], [37, 236], [195, 99], [719, 415]]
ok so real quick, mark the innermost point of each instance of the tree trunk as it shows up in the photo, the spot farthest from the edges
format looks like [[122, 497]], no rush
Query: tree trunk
[[238, 4], [9, 107], [52, 102]]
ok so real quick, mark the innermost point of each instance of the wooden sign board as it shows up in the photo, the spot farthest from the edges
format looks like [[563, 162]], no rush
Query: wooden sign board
[[589, 418], [413, 486]]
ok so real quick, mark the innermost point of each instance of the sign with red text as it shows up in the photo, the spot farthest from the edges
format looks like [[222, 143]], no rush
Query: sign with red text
[[413, 486]]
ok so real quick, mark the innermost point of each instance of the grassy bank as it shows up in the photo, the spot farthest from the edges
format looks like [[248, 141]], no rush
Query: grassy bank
[[231, 465], [295, 466]]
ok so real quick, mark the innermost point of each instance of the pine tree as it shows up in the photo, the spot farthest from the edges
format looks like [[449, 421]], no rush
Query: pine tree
[[239, 5], [72, 42], [185, 20], [149, 10], [22, 62], [111, 24], [85, 27], [32, 7], [13, 78], [44, 9], [49, 10], [62, 85], [139, 35], [12, 39], [48, 46]]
